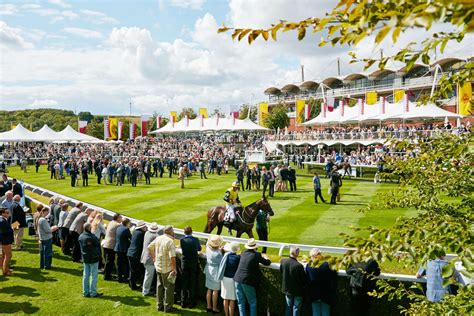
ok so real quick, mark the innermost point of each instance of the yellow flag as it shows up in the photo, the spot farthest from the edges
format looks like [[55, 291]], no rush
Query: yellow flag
[[398, 96], [371, 97], [203, 112], [465, 99], [262, 112], [113, 127], [12, 125], [299, 111], [173, 115]]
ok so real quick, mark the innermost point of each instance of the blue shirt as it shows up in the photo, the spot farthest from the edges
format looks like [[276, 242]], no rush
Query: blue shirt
[[231, 265], [317, 182], [434, 279]]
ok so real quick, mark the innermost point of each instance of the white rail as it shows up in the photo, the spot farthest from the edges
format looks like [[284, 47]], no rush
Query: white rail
[[179, 232]]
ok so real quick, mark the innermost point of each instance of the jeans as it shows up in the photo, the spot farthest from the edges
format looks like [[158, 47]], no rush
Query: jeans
[[148, 279], [246, 293], [89, 279], [46, 253], [293, 305], [320, 308]]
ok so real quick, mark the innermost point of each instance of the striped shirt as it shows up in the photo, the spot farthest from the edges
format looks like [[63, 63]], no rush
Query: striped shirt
[[164, 249]]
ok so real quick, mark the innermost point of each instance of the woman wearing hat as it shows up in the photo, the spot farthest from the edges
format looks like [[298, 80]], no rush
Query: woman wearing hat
[[213, 284], [227, 270]]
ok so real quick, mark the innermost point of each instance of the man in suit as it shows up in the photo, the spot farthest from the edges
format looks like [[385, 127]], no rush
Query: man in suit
[[247, 277], [90, 253], [16, 188], [18, 215], [109, 244], [121, 247], [134, 253], [76, 229], [85, 175], [336, 183], [75, 211], [292, 178], [293, 282], [190, 247]]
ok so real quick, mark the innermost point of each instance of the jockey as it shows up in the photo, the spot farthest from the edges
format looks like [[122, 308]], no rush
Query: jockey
[[231, 196]]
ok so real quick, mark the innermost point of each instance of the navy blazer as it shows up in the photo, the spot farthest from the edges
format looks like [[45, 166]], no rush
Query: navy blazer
[[122, 239], [136, 245], [190, 246], [248, 271], [293, 277], [6, 232]]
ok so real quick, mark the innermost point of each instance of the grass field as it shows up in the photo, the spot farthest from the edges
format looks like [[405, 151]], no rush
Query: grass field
[[297, 218]]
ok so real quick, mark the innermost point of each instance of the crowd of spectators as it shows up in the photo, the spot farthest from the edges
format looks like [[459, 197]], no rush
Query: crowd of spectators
[[371, 132]]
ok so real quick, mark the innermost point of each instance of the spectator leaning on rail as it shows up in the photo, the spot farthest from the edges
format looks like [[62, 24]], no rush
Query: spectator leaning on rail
[[75, 211], [361, 281], [190, 248], [45, 235], [150, 275], [76, 229], [293, 283], [121, 247], [109, 244], [134, 253], [435, 291], [211, 270], [227, 269], [90, 253], [163, 253], [321, 284], [248, 276]]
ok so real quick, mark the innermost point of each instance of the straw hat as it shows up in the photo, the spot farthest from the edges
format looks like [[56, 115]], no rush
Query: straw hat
[[251, 244], [153, 227], [215, 241], [232, 247], [140, 225]]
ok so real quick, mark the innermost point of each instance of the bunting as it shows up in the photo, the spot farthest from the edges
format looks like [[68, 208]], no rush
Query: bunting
[[82, 127], [300, 104], [203, 112], [262, 112], [120, 130], [144, 125], [371, 97], [106, 129], [465, 99]]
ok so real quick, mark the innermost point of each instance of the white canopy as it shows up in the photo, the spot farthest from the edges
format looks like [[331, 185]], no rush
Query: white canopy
[[382, 111], [201, 124], [45, 134], [18, 134]]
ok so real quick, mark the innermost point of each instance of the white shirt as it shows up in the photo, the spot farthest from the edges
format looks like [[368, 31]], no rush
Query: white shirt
[[62, 217]]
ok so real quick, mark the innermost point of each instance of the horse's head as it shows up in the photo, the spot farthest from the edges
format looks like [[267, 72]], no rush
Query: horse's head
[[264, 205]]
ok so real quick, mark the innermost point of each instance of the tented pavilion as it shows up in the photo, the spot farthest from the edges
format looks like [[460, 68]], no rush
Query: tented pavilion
[[20, 134]]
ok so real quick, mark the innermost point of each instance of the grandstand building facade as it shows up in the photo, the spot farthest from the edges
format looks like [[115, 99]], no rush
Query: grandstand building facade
[[416, 82]]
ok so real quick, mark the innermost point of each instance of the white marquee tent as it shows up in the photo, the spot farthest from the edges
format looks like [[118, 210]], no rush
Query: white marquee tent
[[381, 111], [45, 134], [200, 124]]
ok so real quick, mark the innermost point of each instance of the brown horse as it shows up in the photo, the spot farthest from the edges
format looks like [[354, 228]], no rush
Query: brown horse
[[244, 220]]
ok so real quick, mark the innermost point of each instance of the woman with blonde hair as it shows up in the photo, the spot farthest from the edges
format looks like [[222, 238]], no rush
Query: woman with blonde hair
[[98, 228], [211, 270]]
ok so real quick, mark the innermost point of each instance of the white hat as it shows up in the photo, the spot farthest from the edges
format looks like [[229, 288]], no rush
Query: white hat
[[251, 244], [140, 224], [153, 227]]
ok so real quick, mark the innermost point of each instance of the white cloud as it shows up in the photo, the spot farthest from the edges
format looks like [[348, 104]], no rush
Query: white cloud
[[43, 103], [97, 17], [85, 33], [11, 37], [8, 9], [29, 6], [188, 4], [60, 3]]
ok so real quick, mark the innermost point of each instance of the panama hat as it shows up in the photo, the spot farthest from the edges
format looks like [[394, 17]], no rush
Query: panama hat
[[215, 241], [140, 225], [235, 184], [251, 244], [153, 227], [232, 247]]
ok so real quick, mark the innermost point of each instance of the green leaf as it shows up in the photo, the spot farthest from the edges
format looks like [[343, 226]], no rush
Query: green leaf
[[381, 34], [396, 33], [447, 270], [301, 33]]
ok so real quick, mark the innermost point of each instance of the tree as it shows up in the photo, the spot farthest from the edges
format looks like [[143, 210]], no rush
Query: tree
[[351, 21], [315, 109], [277, 118], [85, 116], [96, 129], [187, 111], [217, 111], [244, 112]]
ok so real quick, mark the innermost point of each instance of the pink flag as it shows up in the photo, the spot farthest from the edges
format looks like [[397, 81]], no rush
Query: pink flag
[[158, 122], [324, 109], [361, 105], [341, 104], [106, 129], [383, 105], [407, 103], [120, 129], [330, 103], [307, 111], [132, 129]]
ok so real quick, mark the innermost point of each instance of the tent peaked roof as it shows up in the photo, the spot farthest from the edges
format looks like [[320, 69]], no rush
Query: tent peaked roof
[[210, 124], [19, 133], [45, 133], [70, 134]]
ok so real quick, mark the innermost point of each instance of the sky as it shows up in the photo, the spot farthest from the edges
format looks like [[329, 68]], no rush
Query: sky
[[161, 55]]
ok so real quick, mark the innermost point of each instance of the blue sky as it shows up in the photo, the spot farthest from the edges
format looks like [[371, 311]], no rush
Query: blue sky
[[161, 55]]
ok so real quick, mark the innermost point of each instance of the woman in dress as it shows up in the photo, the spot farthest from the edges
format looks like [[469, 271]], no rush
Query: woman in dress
[[213, 284], [227, 269]]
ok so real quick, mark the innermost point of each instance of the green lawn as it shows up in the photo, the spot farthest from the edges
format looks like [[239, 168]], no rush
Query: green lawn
[[297, 218]]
